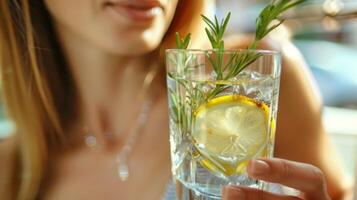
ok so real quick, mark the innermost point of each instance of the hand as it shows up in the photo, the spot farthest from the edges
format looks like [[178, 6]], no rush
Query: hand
[[304, 177]]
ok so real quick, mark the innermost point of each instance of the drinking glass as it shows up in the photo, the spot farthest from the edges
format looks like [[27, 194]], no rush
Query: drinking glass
[[220, 116]]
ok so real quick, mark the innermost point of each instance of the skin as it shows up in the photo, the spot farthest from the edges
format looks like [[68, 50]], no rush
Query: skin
[[306, 178], [109, 72]]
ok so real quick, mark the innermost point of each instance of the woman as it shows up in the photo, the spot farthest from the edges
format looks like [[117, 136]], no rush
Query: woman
[[75, 76]]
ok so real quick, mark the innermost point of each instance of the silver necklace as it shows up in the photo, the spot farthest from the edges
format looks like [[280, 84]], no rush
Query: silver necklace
[[123, 155]]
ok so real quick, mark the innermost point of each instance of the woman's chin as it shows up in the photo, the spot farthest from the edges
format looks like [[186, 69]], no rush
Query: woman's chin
[[132, 49]]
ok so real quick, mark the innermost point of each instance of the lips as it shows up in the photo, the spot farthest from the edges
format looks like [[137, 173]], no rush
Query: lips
[[137, 11]]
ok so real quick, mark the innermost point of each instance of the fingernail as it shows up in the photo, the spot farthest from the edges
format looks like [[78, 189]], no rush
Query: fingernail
[[233, 193], [260, 167]]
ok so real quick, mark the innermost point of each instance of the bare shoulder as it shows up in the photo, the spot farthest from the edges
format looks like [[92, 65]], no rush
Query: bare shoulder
[[7, 165]]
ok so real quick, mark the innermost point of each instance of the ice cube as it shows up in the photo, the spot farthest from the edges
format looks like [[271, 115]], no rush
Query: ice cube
[[254, 85]]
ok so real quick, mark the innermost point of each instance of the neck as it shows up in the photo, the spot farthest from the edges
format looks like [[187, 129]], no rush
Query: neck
[[109, 86]]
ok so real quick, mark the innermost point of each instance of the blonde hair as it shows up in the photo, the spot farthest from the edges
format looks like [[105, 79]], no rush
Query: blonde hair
[[38, 89]]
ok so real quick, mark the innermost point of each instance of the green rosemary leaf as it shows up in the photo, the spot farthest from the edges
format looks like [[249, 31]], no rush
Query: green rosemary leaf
[[173, 96], [175, 103], [187, 40], [230, 62], [293, 5], [275, 26], [216, 24], [249, 61], [209, 23], [178, 40], [182, 43], [211, 39], [170, 75], [213, 63], [272, 13], [225, 23], [172, 60], [217, 90], [215, 32]]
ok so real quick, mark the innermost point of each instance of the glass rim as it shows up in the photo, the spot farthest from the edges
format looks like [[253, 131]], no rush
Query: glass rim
[[262, 51]]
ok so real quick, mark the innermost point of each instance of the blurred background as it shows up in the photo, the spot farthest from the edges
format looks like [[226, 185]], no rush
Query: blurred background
[[325, 31]]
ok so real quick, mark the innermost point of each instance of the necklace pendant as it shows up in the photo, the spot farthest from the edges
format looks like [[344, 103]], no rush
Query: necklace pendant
[[123, 169]]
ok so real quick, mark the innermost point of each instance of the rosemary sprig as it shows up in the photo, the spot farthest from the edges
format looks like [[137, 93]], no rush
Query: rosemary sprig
[[183, 57], [182, 43], [268, 20], [270, 14], [215, 32], [179, 105]]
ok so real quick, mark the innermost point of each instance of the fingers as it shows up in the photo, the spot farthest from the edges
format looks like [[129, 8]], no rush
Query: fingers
[[304, 177], [244, 193]]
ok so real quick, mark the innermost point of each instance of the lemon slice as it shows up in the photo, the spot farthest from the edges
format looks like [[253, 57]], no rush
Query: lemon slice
[[230, 130]]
